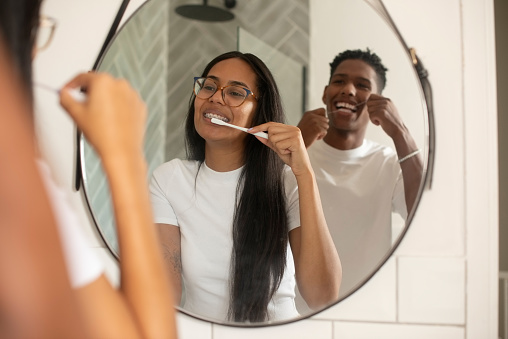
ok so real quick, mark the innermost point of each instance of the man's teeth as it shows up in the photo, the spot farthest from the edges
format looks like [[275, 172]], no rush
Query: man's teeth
[[345, 105], [216, 116]]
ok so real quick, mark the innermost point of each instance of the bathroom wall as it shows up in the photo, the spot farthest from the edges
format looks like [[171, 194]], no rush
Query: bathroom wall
[[442, 281]]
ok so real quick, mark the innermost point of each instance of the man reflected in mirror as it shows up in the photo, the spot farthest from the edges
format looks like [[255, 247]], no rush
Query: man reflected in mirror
[[361, 182]]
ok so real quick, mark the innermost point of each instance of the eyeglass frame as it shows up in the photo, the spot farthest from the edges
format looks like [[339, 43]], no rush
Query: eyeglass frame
[[221, 88], [45, 22]]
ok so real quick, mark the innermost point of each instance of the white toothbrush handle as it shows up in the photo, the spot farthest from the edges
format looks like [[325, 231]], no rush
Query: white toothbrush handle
[[77, 94], [261, 134], [220, 122]]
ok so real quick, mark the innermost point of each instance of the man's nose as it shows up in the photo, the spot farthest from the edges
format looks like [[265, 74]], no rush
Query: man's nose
[[348, 89]]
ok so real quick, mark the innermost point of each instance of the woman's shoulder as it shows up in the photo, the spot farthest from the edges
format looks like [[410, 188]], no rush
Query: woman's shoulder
[[174, 172], [175, 168], [176, 164]]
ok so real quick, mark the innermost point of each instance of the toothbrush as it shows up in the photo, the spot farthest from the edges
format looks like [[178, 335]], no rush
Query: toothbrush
[[74, 92], [220, 122]]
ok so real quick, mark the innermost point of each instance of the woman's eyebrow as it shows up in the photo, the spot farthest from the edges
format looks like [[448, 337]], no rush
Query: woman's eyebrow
[[239, 83], [231, 82]]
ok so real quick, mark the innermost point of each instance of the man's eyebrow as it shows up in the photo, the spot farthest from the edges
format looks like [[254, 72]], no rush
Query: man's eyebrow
[[347, 76]]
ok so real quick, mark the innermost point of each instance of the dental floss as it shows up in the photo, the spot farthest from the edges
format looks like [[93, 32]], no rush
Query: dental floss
[[223, 123], [361, 103], [75, 93]]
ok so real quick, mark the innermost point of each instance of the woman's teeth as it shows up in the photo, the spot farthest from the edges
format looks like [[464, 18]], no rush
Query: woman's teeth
[[216, 116]]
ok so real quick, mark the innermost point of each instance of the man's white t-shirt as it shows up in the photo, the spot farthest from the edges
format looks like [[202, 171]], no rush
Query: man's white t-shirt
[[203, 207], [359, 189]]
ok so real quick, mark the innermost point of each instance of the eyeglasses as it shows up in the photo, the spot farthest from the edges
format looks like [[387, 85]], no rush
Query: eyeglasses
[[45, 32], [233, 95]]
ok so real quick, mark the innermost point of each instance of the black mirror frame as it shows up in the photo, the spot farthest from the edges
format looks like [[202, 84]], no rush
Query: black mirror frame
[[111, 34], [426, 88]]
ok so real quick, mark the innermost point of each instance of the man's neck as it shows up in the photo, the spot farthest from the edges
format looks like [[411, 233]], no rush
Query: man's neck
[[344, 140]]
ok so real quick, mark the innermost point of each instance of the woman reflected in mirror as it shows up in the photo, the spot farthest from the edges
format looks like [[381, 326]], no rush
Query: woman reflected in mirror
[[81, 301], [240, 219]]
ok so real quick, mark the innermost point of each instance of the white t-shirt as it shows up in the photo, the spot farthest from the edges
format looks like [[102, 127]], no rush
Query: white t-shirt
[[203, 208], [359, 189], [83, 265]]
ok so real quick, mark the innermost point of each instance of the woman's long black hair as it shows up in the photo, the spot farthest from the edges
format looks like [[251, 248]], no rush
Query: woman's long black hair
[[260, 231], [19, 20]]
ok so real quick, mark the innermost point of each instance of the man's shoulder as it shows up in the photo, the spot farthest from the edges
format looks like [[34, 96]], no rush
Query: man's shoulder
[[376, 148]]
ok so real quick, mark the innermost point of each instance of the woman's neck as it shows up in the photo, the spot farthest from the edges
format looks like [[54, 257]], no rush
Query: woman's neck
[[223, 159]]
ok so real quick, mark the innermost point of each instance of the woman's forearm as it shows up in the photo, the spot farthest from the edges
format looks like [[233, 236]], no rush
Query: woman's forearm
[[113, 120], [319, 271], [144, 281]]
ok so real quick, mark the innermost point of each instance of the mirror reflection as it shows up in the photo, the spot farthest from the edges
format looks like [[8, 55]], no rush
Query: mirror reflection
[[160, 52]]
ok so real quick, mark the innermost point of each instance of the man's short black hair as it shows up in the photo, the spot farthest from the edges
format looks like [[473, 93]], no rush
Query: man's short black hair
[[367, 56]]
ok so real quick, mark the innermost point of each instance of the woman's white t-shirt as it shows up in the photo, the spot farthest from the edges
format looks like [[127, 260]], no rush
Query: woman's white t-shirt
[[83, 265], [202, 204]]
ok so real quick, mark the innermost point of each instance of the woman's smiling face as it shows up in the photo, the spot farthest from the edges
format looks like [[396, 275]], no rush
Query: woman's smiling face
[[227, 72]]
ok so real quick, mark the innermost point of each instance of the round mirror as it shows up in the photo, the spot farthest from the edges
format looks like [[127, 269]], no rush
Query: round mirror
[[159, 52]]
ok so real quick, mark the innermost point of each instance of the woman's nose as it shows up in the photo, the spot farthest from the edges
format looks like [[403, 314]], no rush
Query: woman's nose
[[217, 97]]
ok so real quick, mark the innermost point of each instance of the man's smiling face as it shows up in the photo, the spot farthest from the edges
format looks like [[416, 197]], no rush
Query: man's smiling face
[[350, 87]]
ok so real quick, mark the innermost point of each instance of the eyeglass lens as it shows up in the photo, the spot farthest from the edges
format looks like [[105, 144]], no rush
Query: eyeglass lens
[[232, 95], [44, 32]]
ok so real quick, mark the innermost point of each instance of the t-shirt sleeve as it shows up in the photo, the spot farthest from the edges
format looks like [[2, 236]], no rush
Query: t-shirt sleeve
[[83, 264], [292, 200], [399, 198], [162, 210]]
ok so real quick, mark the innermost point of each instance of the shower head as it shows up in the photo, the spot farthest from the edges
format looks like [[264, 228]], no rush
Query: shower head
[[205, 13]]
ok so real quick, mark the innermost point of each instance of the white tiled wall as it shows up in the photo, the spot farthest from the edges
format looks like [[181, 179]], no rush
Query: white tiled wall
[[439, 283], [395, 331], [431, 290], [433, 28], [192, 328], [376, 301], [296, 330]]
